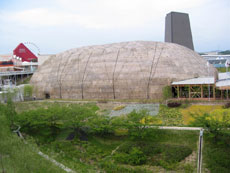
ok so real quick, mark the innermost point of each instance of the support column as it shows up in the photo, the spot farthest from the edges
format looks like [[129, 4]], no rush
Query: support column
[[189, 91], [214, 92], [227, 94], [201, 87], [178, 91], [221, 94]]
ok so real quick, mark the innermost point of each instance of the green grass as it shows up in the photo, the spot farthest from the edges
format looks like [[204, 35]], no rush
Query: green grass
[[222, 69], [216, 156], [69, 154], [160, 150], [96, 153], [114, 100], [170, 116], [16, 156]]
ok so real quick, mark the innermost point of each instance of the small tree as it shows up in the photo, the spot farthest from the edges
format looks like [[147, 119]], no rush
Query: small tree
[[10, 110], [79, 116], [137, 124], [100, 124], [167, 92], [216, 123], [28, 91]]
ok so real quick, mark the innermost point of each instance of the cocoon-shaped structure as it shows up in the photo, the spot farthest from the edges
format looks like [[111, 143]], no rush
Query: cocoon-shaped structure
[[127, 70]]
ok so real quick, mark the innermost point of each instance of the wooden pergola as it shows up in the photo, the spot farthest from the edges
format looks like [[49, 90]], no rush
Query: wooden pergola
[[199, 89], [195, 92]]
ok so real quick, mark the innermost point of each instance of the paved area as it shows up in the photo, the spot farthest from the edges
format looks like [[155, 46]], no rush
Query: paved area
[[152, 109]]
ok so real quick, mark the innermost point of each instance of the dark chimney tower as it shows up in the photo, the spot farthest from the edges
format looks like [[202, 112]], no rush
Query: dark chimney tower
[[178, 30]]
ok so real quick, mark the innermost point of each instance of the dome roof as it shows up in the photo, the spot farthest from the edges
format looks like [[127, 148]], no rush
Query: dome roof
[[127, 70]]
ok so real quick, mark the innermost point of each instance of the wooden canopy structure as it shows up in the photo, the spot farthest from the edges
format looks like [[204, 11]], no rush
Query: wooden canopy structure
[[206, 88]]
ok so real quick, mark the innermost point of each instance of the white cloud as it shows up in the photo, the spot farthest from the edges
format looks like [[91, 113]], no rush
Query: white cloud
[[99, 14], [61, 24]]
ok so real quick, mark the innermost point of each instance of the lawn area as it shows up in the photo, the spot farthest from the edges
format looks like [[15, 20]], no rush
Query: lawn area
[[16, 156], [97, 142], [183, 116], [104, 147], [216, 155], [180, 116], [160, 152], [197, 110]]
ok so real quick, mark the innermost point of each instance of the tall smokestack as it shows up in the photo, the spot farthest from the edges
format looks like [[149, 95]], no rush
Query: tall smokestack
[[178, 30]]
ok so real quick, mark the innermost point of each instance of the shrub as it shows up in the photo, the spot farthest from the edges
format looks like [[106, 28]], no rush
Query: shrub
[[10, 111], [170, 116], [134, 157], [119, 108], [217, 124], [167, 92], [173, 104], [120, 132], [227, 105], [100, 125], [170, 155], [110, 167], [102, 101], [217, 156], [28, 91], [46, 123], [174, 153]]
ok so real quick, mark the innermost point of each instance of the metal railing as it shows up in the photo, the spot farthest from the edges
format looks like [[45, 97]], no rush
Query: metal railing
[[13, 73]]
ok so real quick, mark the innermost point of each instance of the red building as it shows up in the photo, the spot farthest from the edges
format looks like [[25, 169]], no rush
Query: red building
[[24, 53]]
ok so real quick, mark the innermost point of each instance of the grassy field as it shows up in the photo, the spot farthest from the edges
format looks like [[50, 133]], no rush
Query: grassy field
[[170, 116], [16, 156], [216, 155], [197, 110], [162, 151], [159, 151]]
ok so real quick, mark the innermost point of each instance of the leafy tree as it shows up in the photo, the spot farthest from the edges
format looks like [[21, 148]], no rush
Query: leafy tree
[[28, 91], [137, 124], [46, 123], [226, 52], [167, 92], [42, 123], [77, 116], [134, 157], [100, 125], [9, 109], [216, 123]]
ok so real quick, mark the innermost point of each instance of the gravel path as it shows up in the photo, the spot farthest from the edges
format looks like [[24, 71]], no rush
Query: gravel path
[[153, 109]]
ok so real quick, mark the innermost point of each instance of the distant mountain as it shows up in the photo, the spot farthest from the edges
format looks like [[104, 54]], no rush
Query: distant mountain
[[226, 52], [216, 52]]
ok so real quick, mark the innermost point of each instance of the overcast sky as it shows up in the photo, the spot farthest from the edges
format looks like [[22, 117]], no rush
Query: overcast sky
[[58, 25]]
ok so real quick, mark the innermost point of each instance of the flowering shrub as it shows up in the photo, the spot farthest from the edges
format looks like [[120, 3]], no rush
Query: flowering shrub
[[151, 120], [198, 110], [119, 108], [170, 116]]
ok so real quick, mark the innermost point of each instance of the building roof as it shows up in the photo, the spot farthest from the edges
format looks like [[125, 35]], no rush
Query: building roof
[[224, 81], [196, 81], [5, 57], [223, 84], [23, 52], [224, 76]]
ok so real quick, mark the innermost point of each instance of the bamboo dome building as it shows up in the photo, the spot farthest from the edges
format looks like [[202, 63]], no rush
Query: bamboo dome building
[[127, 70]]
